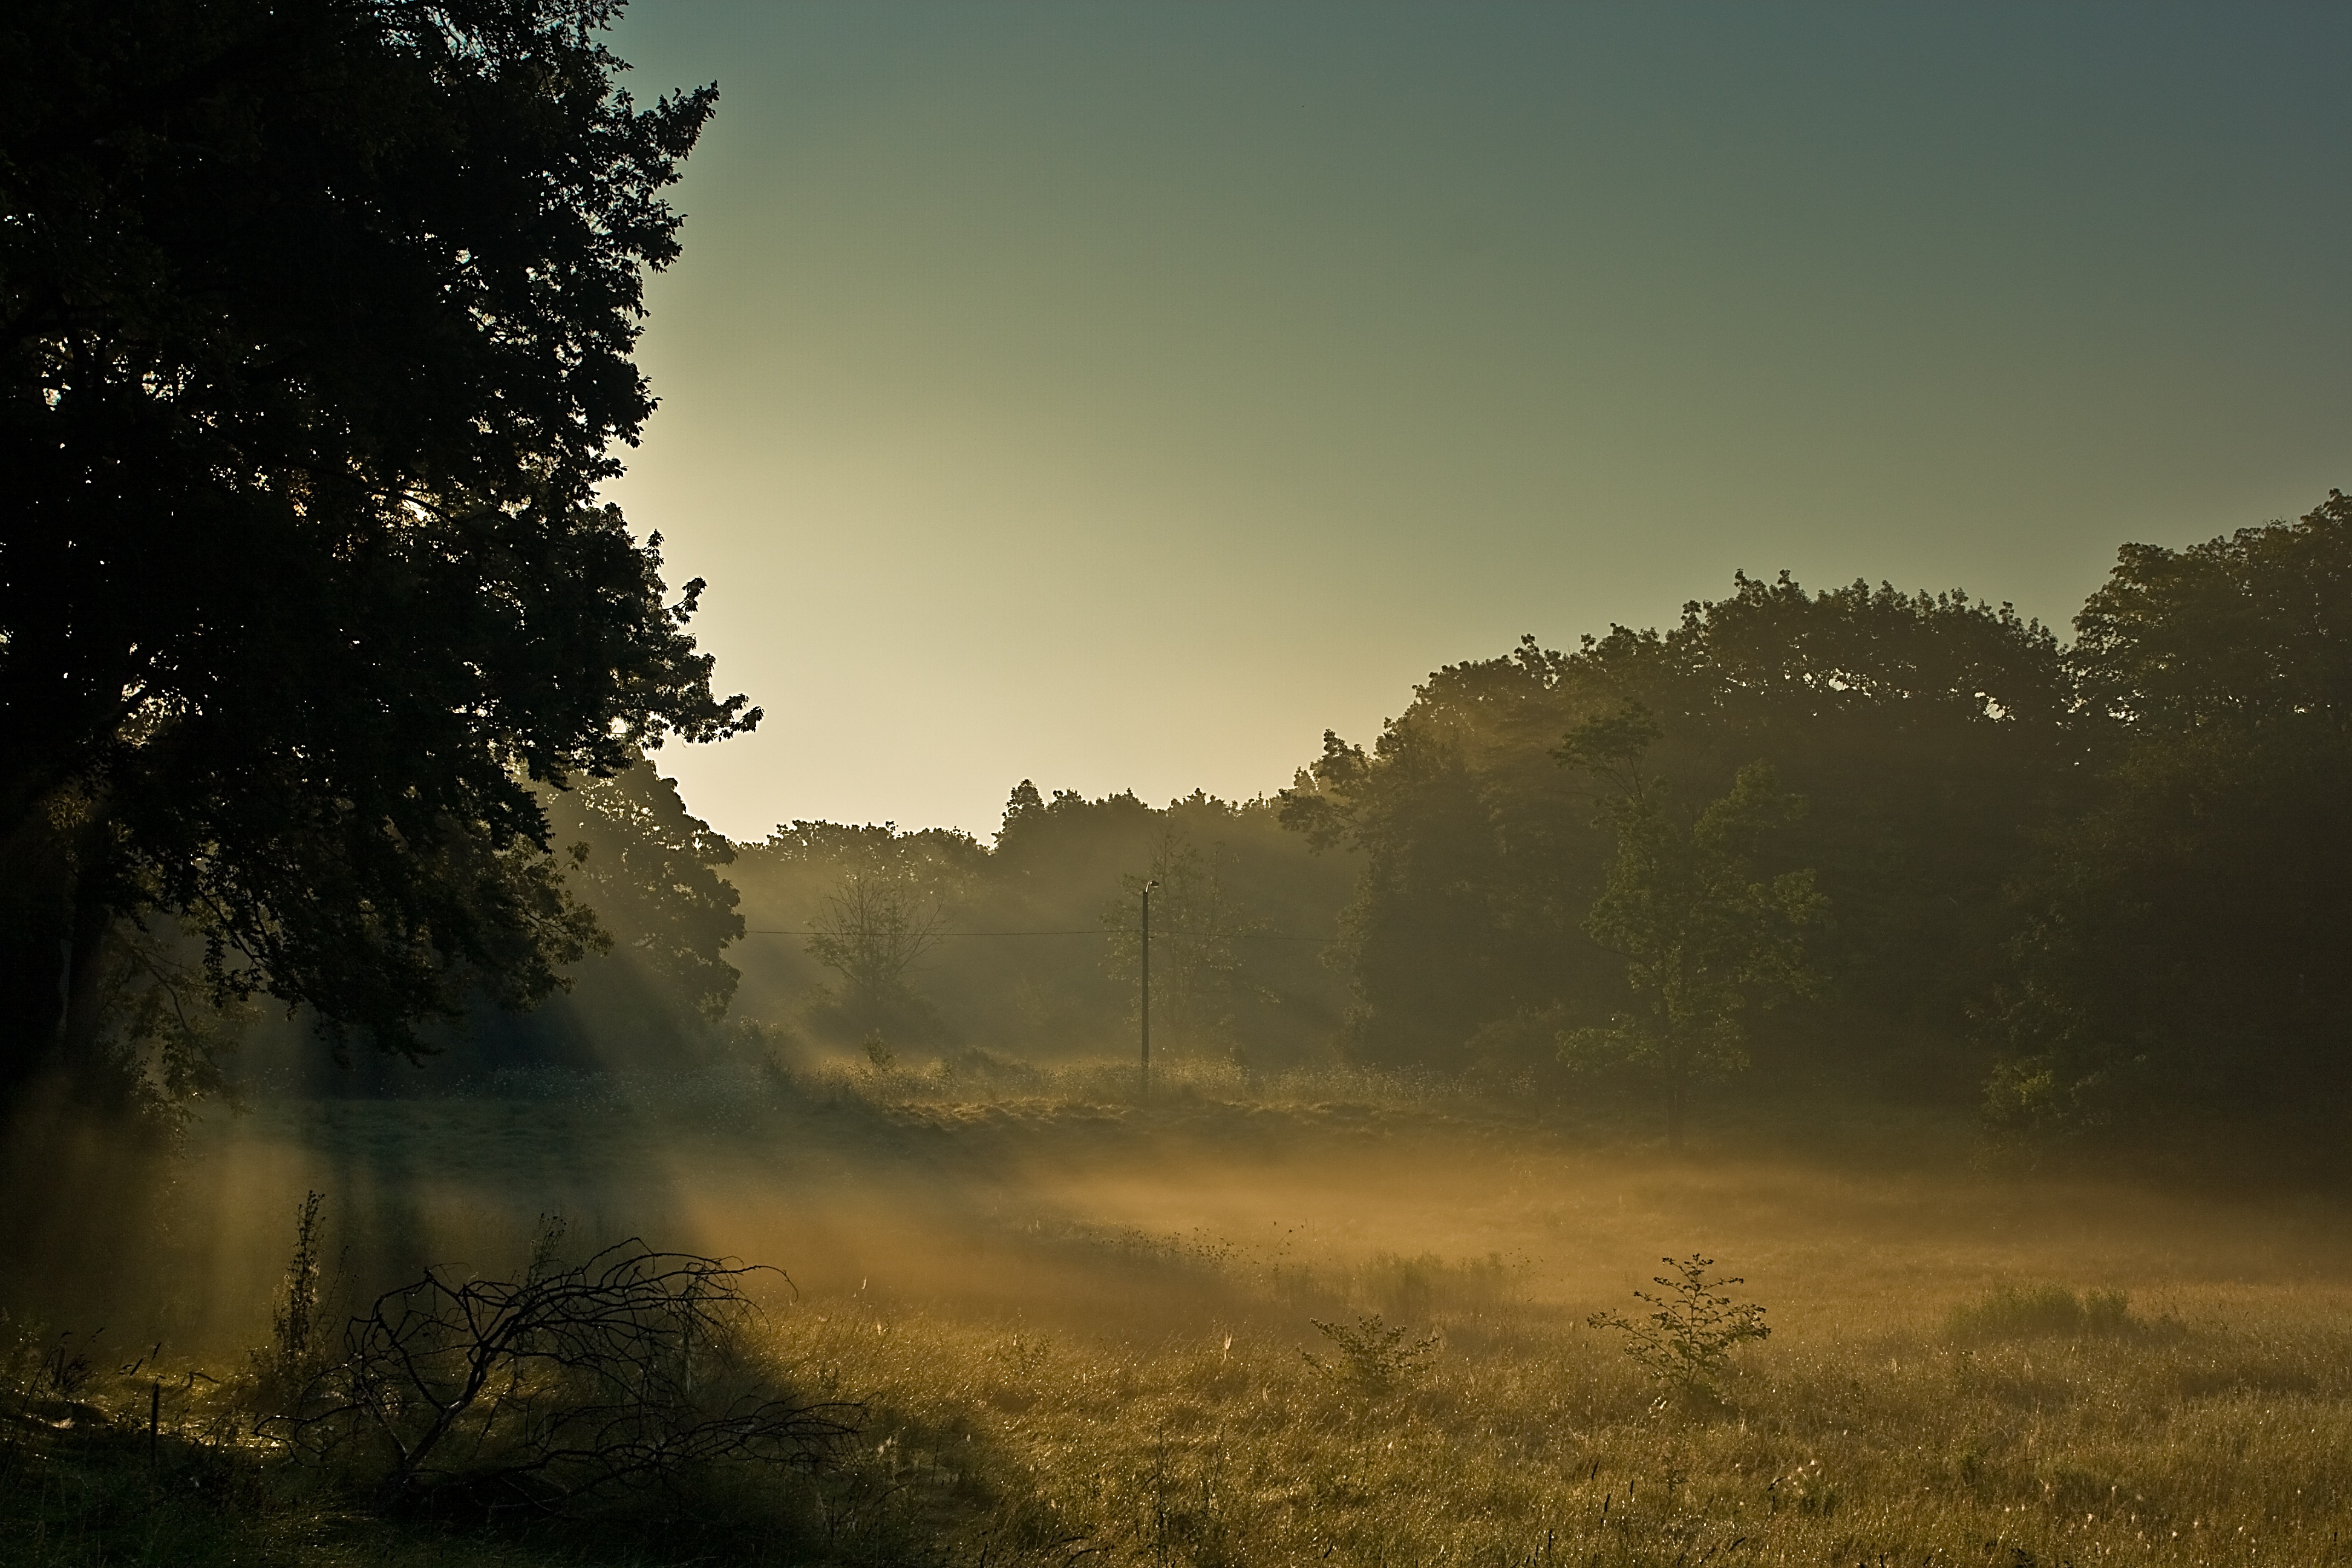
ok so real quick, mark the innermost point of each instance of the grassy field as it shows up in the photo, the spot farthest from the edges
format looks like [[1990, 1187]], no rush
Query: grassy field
[[1082, 1331]]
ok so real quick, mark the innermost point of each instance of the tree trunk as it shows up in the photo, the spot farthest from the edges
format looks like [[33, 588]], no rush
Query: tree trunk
[[36, 945], [84, 980], [54, 920], [1677, 1095]]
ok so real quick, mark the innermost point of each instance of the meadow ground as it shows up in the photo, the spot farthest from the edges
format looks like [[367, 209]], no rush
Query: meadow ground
[[1084, 1330]]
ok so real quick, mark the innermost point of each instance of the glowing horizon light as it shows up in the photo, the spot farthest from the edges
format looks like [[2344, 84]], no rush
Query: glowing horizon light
[[1118, 398]]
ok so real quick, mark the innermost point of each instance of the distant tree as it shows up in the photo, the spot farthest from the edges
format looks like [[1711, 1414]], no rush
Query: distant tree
[[315, 326], [874, 928], [877, 900], [1703, 939], [1197, 968]]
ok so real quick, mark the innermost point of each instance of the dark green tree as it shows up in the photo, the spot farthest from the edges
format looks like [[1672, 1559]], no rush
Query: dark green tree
[[1929, 731], [315, 333], [1466, 856], [2183, 954], [653, 873], [1702, 936]]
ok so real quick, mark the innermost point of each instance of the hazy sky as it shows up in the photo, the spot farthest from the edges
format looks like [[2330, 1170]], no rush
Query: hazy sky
[[1118, 395]]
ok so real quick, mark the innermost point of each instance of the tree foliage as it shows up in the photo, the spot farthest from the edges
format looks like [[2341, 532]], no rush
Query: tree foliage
[[873, 930], [654, 873], [2102, 885], [315, 336], [1702, 938], [1927, 732], [875, 903], [2181, 934], [1041, 961], [1199, 970]]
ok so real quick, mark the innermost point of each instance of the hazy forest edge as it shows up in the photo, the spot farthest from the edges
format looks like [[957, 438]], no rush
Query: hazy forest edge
[[2088, 890], [2081, 891]]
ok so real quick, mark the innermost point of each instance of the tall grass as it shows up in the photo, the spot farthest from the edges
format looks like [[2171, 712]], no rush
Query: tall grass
[[1084, 1342], [987, 1443], [2031, 1311], [2226, 1445], [975, 1077]]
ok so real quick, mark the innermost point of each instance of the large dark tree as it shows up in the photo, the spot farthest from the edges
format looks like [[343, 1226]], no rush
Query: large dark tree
[[2186, 953], [316, 319]]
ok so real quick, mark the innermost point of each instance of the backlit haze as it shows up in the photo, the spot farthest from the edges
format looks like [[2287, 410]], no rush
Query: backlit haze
[[1118, 396]]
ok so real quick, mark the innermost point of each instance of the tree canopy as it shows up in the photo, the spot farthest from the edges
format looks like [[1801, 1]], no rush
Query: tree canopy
[[315, 334], [1702, 939], [2182, 934], [2097, 884], [1927, 731]]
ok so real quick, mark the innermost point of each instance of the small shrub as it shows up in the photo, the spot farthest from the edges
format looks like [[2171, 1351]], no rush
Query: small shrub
[[1689, 1338], [2031, 1311], [293, 1317], [1374, 1357]]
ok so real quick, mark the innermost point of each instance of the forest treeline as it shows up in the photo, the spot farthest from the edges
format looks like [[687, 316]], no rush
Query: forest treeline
[[2086, 883], [2100, 882]]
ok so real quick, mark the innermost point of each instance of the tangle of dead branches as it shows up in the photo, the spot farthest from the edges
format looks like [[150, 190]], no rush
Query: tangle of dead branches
[[628, 1370]]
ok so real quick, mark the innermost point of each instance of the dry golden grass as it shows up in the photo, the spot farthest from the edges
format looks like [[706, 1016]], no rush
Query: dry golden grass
[[1078, 1325], [2220, 1434]]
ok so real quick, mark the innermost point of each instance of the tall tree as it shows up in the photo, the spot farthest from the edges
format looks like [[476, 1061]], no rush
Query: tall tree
[[2184, 947], [315, 333]]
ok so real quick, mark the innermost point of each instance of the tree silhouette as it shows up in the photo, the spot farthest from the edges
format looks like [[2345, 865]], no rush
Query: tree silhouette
[[2181, 949], [315, 326], [875, 928]]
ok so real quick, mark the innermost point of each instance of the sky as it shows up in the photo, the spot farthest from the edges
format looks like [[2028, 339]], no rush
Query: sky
[[1119, 396]]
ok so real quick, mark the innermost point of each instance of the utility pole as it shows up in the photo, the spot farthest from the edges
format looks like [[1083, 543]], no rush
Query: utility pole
[[1144, 1012]]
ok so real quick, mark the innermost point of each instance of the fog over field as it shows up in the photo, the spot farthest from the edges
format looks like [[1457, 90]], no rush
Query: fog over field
[[1069, 1318]]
